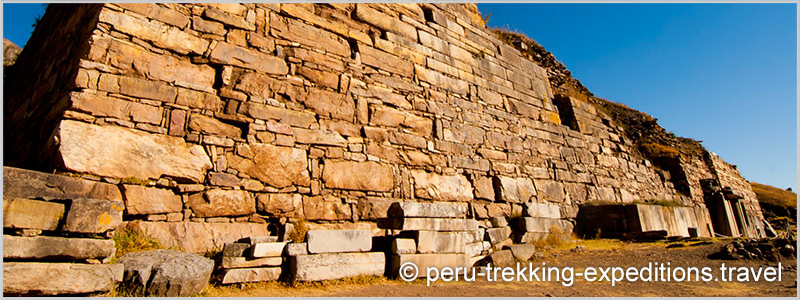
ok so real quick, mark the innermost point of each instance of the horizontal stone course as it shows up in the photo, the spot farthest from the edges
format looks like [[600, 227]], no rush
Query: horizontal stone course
[[329, 266], [331, 241], [62, 278]]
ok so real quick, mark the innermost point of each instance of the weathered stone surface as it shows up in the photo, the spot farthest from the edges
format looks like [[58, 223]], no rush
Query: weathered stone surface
[[543, 225], [216, 202], [522, 252], [484, 189], [318, 137], [20, 183], [32, 214], [475, 249], [242, 262], [383, 21], [327, 207], [56, 248], [549, 190], [166, 273], [514, 189], [93, 215], [61, 278], [427, 210], [404, 246], [441, 187], [141, 200], [274, 249], [235, 249], [364, 176], [249, 275], [250, 59], [209, 125], [499, 222], [497, 235], [329, 266], [503, 258], [124, 153], [439, 242], [429, 224], [198, 237], [330, 104], [289, 205], [274, 165], [330, 241], [295, 249], [541, 210], [224, 179], [425, 261]]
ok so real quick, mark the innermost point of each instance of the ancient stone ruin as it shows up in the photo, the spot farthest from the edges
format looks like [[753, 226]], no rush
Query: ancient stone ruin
[[409, 127]]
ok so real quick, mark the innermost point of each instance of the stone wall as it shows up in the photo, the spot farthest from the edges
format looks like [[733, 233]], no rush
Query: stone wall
[[268, 113]]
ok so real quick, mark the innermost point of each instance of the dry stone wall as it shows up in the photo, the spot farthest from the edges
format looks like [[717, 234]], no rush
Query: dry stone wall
[[217, 118]]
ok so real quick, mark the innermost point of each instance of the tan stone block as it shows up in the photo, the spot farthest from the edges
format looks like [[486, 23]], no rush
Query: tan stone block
[[274, 165], [199, 100], [385, 61], [440, 80], [169, 16], [31, 214], [365, 176], [160, 35], [216, 202], [266, 112], [365, 13], [297, 31], [331, 104], [223, 17], [242, 57], [441, 187], [208, 125], [326, 207], [99, 105]]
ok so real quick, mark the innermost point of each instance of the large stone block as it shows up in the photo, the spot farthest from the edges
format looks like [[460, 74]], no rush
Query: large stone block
[[125, 153], [439, 242], [543, 225], [522, 252], [274, 165], [32, 214], [497, 235], [215, 203], [165, 273], [425, 261], [404, 246], [159, 34], [272, 249], [249, 275], [198, 237], [327, 207], [441, 187], [283, 205], [434, 224], [364, 176], [541, 210], [246, 58], [328, 241], [514, 189], [242, 262], [141, 200], [503, 258], [93, 215], [427, 210], [329, 266], [56, 248], [20, 183], [49, 279], [549, 190]]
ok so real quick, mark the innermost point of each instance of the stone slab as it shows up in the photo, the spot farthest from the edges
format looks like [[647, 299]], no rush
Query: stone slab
[[441, 187], [93, 215], [235, 249], [514, 189], [242, 262], [61, 278], [502, 258], [165, 273], [404, 246], [32, 214], [427, 210], [330, 241], [363, 176], [541, 210], [497, 235], [56, 248], [329, 266], [250, 275], [435, 224], [274, 249], [21, 183], [295, 249], [425, 261], [198, 237], [545, 225], [141, 200]]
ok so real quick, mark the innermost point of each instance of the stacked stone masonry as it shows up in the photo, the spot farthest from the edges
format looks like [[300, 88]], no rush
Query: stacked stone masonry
[[225, 121]]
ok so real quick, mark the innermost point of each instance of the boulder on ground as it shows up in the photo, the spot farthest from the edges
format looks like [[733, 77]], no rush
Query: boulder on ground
[[165, 273], [32, 279]]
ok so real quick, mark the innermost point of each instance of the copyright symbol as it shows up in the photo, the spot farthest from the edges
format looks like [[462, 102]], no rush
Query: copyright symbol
[[409, 271]]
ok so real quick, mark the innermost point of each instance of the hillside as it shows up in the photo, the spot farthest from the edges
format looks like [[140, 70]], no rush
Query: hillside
[[777, 204]]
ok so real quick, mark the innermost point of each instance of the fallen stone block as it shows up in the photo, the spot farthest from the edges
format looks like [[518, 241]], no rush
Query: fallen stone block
[[59, 278], [427, 210], [500, 245], [56, 248], [502, 258], [434, 224], [93, 215], [165, 273], [229, 276], [441, 187], [330, 241], [473, 249], [497, 235], [514, 189], [434, 260], [522, 252], [243, 262], [295, 249], [329, 266], [541, 210], [31, 214], [267, 249], [404, 246], [27, 184]]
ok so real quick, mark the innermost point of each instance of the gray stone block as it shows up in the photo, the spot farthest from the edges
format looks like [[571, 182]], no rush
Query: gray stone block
[[545, 225], [404, 246], [20, 183], [497, 235], [249, 275], [329, 266], [166, 273], [242, 262], [32, 214], [425, 261], [439, 242], [434, 224], [295, 249], [427, 210], [502, 258], [59, 278], [332, 241], [235, 249], [267, 249], [56, 248], [93, 215], [252, 240]]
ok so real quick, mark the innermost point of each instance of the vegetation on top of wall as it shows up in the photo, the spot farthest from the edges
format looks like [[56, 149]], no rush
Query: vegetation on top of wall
[[779, 206]]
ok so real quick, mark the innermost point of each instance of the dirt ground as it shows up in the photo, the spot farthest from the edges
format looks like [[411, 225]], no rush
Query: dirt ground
[[597, 254]]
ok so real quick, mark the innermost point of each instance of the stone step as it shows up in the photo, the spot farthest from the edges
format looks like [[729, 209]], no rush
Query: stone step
[[93, 215], [522, 252], [21, 183], [334, 241], [242, 262], [435, 224], [59, 278], [503, 258], [229, 276], [425, 261], [267, 249], [327, 266], [32, 214], [427, 210], [54, 248]]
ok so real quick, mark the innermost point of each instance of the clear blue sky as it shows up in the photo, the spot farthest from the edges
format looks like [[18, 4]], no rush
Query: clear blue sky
[[725, 74]]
